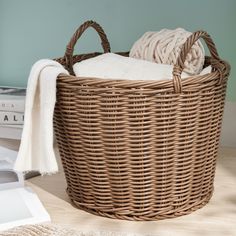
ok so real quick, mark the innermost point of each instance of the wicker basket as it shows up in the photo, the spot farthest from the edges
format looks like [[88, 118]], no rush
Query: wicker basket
[[140, 150]]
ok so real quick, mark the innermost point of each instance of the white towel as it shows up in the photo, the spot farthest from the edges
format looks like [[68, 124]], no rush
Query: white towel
[[113, 66], [36, 148]]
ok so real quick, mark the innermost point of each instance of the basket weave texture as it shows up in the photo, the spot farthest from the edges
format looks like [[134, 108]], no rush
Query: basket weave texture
[[140, 150]]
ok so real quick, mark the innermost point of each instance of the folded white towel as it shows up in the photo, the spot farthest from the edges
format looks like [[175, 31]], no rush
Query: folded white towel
[[36, 148], [113, 66]]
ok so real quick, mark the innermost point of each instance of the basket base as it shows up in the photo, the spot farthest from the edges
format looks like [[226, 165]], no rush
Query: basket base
[[154, 217]]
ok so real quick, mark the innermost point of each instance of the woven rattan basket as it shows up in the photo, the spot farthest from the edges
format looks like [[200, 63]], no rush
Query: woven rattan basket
[[140, 150]]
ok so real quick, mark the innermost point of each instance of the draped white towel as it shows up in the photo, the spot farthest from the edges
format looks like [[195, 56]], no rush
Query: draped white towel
[[36, 148]]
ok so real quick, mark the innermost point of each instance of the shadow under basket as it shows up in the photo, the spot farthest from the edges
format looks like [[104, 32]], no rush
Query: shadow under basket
[[140, 150]]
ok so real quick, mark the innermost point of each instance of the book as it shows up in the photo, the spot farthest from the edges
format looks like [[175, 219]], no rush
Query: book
[[7, 159], [11, 118], [8, 177], [19, 205], [11, 132], [12, 99]]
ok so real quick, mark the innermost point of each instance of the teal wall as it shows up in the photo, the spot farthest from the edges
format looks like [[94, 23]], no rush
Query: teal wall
[[35, 29]]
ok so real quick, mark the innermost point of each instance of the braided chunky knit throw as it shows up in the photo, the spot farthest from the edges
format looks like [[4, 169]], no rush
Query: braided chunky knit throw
[[57, 230], [164, 47], [41, 230]]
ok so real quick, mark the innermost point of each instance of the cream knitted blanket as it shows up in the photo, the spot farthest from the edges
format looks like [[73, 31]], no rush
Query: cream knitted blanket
[[40, 230], [164, 47], [56, 230]]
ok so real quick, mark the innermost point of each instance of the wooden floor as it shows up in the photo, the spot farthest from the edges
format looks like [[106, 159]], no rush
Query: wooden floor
[[218, 218]]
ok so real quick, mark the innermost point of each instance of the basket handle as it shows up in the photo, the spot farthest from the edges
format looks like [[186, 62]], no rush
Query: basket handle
[[179, 66], [70, 46]]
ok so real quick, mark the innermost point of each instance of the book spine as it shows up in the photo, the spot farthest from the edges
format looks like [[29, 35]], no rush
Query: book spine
[[12, 105], [7, 132], [11, 118], [15, 126]]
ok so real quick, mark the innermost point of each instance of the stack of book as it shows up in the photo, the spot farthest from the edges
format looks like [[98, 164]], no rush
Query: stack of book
[[19, 204], [12, 106]]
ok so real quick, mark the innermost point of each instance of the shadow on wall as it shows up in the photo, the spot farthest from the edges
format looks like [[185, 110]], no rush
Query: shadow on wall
[[228, 133], [227, 160]]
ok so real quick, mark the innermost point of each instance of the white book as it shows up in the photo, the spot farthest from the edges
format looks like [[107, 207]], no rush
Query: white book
[[11, 131], [12, 99], [21, 206], [8, 177], [18, 205], [11, 118]]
